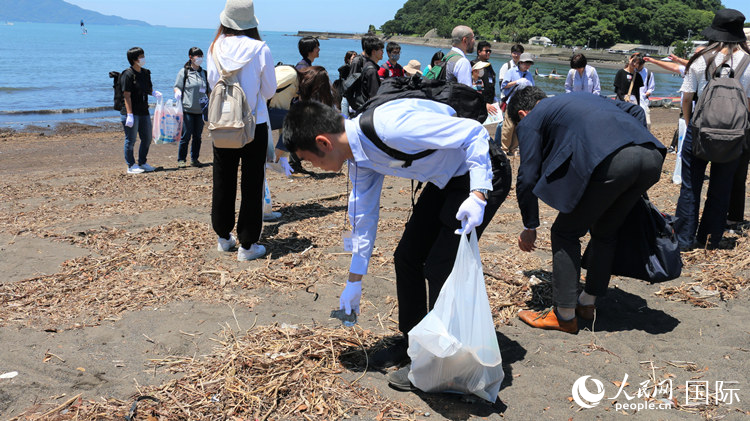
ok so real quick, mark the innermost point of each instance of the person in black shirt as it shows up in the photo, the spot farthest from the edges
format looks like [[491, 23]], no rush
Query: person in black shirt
[[136, 121], [489, 78], [623, 79]]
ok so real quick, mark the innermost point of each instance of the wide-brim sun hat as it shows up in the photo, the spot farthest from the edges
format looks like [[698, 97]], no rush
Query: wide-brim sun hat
[[480, 65], [526, 58], [412, 68], [239, 15], [727, 27]]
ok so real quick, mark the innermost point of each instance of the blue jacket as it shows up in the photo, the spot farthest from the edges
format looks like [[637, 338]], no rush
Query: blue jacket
[[563, 139]]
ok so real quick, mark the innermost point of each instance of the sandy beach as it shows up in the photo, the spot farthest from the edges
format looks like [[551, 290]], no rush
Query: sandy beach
[[112, 288]]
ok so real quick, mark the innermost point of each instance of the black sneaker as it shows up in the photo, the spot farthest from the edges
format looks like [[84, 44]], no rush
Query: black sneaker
[[399, 380], [391, 356], [196, 163]]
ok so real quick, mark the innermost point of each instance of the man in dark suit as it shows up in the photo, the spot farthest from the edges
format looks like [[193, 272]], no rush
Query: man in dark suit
[[590, 158]]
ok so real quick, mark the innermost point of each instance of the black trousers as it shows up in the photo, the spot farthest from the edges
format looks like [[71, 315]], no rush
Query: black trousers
[[737, 198], [428, 246], [614, 187], [226, 162]]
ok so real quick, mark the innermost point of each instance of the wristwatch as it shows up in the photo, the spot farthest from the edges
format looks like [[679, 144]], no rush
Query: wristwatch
[[483, 191]]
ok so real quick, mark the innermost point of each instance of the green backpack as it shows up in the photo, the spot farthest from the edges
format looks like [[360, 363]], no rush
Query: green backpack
[[437, 72]]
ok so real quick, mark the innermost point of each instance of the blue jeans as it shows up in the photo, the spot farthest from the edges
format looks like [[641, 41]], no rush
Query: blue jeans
[[141, 128], [711, 226], [192, 125], [276, 121]]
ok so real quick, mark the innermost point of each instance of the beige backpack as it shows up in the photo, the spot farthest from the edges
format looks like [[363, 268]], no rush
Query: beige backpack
[[231, 122]]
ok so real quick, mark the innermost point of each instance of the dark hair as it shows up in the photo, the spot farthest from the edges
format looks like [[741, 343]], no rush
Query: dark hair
[[366, 38], [229, 32], [578, 61], [518, 48], [306, 45], [134, 53], [637, 59], [437, 57], [482, 45], [714, 49], [391, 47], [525, 100], [370, 44], [348, 56], [314, 85], [194, 51], [305, 121]]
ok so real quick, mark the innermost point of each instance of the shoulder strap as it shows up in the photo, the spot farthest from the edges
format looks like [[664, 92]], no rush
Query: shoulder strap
[[367, 124], [742, 66]]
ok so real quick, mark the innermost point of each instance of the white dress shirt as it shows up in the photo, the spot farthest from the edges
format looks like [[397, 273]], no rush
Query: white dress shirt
[[462, 68], [410, 126], [648, 85], [588, 82]]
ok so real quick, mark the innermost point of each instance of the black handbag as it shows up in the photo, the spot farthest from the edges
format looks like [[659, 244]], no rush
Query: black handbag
[[646, 245]]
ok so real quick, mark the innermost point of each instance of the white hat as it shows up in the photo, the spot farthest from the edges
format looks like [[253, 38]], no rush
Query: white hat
[[480, 65], [239, 15]]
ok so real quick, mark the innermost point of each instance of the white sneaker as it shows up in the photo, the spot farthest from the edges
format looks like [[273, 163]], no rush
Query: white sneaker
[[135, 169], [147, 168], [271, 216], [255, 251], [226, 245]]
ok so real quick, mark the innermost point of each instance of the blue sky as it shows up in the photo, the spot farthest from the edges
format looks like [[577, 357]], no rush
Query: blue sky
[[274, 15]]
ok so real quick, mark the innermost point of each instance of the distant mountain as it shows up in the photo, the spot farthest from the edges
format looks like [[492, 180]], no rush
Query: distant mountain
[[57, 11]]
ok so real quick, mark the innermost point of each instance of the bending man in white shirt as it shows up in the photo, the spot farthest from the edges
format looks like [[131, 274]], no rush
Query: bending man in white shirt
[[464, 187]]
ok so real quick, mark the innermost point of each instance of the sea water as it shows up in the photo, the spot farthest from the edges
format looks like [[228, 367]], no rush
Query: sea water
[[53, 72]]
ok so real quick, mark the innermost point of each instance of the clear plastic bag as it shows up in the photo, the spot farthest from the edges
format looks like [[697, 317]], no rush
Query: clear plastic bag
[[167, 127], [454, 348]]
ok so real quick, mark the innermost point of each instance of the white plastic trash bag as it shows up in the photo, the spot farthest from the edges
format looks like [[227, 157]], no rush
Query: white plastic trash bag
[[681, 131], [454, 348], [167, 127]]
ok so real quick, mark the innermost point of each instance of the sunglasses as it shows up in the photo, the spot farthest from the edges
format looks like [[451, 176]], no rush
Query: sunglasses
[[486, 51]]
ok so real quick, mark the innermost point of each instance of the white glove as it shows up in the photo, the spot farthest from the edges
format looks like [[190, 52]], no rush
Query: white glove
[[523, 82], [284, 164], [350, 297], [470, 213], [178, 95], [156, 94], [129, 120]]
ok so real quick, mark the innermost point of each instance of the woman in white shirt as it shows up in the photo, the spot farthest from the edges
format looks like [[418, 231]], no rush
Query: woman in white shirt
[[727, 45], [581, 76], [238, 46]]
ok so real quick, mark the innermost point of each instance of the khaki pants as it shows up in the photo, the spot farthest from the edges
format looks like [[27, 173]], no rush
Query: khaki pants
[[508, 136]]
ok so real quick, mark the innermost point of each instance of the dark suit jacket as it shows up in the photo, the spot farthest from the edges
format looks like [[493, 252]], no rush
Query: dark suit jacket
[[563, 139]]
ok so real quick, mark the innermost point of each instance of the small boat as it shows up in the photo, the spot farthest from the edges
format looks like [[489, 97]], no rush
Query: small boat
[[8, 23], [669, 101]]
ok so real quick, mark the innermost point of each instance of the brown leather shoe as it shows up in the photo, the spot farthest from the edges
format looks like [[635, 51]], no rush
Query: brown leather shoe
[[547, 319], [585, 312]]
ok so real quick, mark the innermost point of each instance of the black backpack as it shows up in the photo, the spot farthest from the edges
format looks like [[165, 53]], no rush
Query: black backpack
[[720, 120], [467, 102], [352, 87], [119, 99]]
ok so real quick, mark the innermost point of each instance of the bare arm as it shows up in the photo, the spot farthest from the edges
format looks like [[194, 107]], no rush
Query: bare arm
[[671, 66], [687, 106]]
